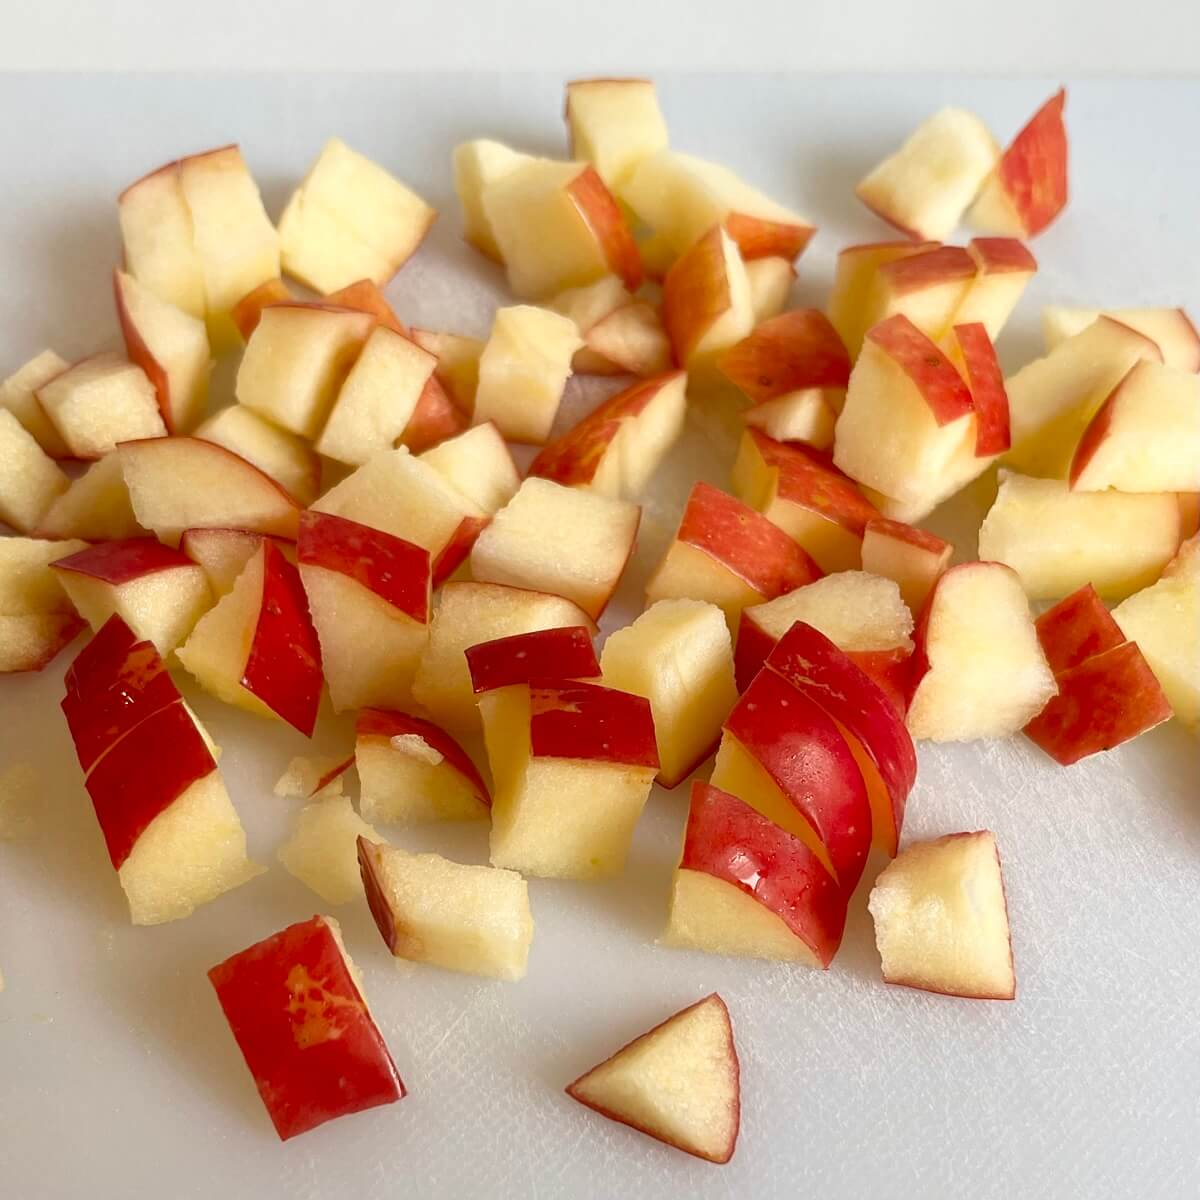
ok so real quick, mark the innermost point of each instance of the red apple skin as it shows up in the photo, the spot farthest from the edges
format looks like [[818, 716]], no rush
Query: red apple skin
[[695, 294], [745, 542], [934, 375], [1033, 170], [114, 684], [587, 721], [384, 722], [139, 354], [795, 350], [393, 569], [803, 751], [750, 650], [546, 654], [731, 841], [813, 665], [144, 773], [1076, 629], [988, 395], [1001, 255], [366, 296], [899, 531], [1104, 701], [604, 217], [332, 774], [454, 553], [927, 268], [573, 458], [304, 1029], [283, 668], [247, 312], [119, 562], [434, 419], [760, 238]]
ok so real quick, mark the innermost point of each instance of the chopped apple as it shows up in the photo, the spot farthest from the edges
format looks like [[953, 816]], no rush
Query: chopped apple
[[322, 851], [557, 226], [313, 777], [478, 463], [531, 658], [620, 334], [31, 641], [522, 371], [707, 305], [366, 296], [350, 219], [745, 887], [368, 593], [912, 557], [924, 188], [257, 649], [614, 124], [158, 592], [222, 554], [464, 918], [37, 618], [412, 770], [677, 654], [247, 312], [806, 496], [458, 364], [978, 669], [1057, 540], [1169, 328], [18, 393], [1003, 269], [1028, 187], [679, 1083], [296, 1008], [1076, 629], [770, 282], [96, 506], [617, 448], [99, 402], [284, 456], [561, 540], [470, 613], [477, 165], [1145, 437], [30, 481]]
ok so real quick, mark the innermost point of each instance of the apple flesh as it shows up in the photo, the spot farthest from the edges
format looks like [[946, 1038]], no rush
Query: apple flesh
[[707, 306], [533, 658], [479, 464], [1003, 269], [771, 282], [309, 777], [478, 164], [18, 393], [677, 654], [31, 641], [30, 481], [679, 1083], [322, 851], [295, 1005], [247, 312], [614, 124], [284, 456], [913, 558], [222, 554], [96, 506], [471, 919], [928, 288], [37, 618], [1171, 329], [412, 770], [457, 368], [350, 219]]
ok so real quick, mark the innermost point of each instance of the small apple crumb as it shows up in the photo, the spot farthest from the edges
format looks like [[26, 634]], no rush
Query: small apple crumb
[[17, 785], [304, 774], [415, 746]]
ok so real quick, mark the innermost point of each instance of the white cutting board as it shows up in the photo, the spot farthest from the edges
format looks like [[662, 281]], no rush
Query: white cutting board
[[118, 1076]]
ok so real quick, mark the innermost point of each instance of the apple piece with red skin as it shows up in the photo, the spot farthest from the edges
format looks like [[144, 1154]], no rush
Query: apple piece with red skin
[[257, 648], [222, 554], [577, 719], [285, 457], [796, 350], [95, 507], [544, 654], [159, 592], [679, 1083], [313, 777], [458, 364], [366, 296], [630, 339], [302, 1024], [746, 887], [707, 306], [1003, 268], [981, 369], [1028, 187], [479, 464], [914, 558], [247, 312], [1076, 629], [616, 449]]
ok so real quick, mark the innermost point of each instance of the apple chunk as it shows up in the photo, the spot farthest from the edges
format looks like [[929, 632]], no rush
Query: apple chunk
[[18, 393], [941, 919], [30, 481], [707, 305], [286, 457], [322, 851], [295, 1005], [477, 463], [677, 654], [914, 558], [679, 1083], [36, 617], [746, 887], [96, 506], [614, 124], [1171, 329], [477, 164], [464, 918], [1003, 269]]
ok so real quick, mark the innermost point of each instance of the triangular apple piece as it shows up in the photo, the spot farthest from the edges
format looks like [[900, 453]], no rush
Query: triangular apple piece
[[678, 1083]]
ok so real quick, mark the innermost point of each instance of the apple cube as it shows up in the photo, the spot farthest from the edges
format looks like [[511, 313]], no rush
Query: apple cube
[[286, 457], [1076, 629], [30, 481], [523, 370], [1169, 328], [247, 312], [677, 654], [614, 124], [1145, 437], [617, 448], [479, 464], [914, 558], [96, 506], [561, 540], [941, 919], [350, 219], [707, 306], [478, 164], [257, 649], [99, 402], [1057, 539], [222, 554], [368, 593], [322, 851], [979, 670], [412, 770], [158, 592], [296, 1008], [37, 618], [729, 555], [469, 613], [457, 367], [1003, 269], [924, 188], [745, 887], [464, 918], [1027, 188], [18, 393], [620, 334], [679, 1083], [770, 282]]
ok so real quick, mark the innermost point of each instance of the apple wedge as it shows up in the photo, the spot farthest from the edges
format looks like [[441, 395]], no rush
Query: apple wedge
[[614, 124], [475, 920], [286, 457], [222, 554], [322, 850], [1076, 629], [707, 306], [556, 654], [30, 481], [247, 312], [479, 464], [18, 393], [1171, 329], [679, 1083]]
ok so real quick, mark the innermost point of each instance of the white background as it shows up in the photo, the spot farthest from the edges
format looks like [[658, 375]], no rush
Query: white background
[[118, 1077]]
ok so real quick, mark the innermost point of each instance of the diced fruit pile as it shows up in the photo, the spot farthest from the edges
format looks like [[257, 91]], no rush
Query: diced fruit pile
[[352, 520]]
